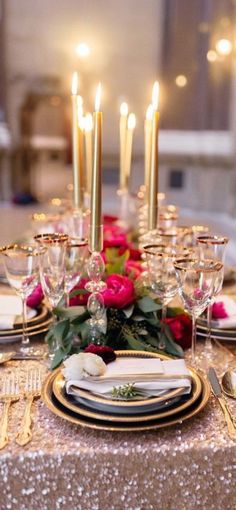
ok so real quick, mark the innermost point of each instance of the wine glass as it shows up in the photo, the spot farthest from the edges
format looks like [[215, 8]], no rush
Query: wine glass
[[196, 280], [161, 273], [76, 255], [213, 247], [53, 266], [21, 263]]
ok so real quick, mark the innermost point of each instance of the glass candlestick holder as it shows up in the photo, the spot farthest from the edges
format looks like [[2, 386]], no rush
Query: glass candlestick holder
[[95, 305]]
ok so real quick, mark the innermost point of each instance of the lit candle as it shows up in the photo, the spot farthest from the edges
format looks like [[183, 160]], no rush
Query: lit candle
[[123, 127], [153, 180], [147, 146], [75, 141], [88, 149], [80, 148], [96, 241], [131, 123]]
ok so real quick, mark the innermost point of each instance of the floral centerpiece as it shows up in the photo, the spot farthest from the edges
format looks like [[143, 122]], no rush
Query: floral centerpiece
[[132, 318]]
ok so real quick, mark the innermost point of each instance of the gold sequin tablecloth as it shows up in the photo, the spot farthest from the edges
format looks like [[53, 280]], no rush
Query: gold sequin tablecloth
[[188, 466]]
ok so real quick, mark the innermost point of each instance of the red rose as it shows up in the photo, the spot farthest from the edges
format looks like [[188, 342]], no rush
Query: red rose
[[134, 254], [181, 328], [114, 237], [35, 297], [105, 352], [119, 292], [80, 299], [107, 218]]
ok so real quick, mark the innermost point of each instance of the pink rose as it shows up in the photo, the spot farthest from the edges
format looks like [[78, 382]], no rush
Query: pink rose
[[36, 297], [119, 292], [133, 268], [108, 219], [218, 310], [114, 237]]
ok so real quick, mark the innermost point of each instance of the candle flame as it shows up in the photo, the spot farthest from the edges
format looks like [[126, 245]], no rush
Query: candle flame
[[149, 112], [74, 86], [124, 109], [82, 122], [131, 121], [88, 122], [155, 95], [98, 97]]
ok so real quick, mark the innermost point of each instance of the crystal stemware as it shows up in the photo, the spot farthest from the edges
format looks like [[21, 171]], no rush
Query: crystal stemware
[[76, 256], [213, 247], [196, 280], [161, 273], [53, 266], [21, 263]]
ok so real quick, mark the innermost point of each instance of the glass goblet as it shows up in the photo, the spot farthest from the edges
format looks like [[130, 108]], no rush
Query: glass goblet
[[21, 263], [213, 247], [161, 273], [76, 257], [196, 279], [53, 266]]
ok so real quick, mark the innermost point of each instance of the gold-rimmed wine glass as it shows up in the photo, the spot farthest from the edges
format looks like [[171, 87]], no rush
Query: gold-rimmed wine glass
[[213, 247], [161, 273], [76, 257], [21, 264], [196, 280]]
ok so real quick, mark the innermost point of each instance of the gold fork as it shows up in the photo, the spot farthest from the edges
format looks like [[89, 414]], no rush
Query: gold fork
[[32, 390], [10, 393]]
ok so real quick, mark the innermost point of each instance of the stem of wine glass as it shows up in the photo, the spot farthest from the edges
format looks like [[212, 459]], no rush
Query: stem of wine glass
[[193, 353], [163, 318], [67, 298], [25, 338], [208, 344]]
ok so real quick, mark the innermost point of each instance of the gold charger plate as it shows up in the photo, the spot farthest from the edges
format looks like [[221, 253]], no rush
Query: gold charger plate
[[58, 409], [179, 404]]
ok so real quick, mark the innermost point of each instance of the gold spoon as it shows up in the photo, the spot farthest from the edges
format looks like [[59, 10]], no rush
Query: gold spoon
[[229, 383], [6, 356]]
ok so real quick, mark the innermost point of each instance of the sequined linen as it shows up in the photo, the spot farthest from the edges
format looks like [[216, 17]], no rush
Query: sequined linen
[[183, 467]]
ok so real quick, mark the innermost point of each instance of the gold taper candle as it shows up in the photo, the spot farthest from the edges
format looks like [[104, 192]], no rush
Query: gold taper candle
[[147, 146], [96, 241], [123, 129], [153, 180], [80, 128], [88, 149], [131, 123], [75, 142]]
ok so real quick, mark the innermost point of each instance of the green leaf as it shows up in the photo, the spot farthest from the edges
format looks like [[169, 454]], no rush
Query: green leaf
[[70, 313], [77, 292], [173, 348], [128, 311], [59, 356], [147, 304], [81, 318], [173, 311]]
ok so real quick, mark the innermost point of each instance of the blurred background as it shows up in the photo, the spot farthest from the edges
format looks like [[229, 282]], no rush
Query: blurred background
[[188, 45]]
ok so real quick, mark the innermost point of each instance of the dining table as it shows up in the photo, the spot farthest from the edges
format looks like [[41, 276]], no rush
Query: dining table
[[186, 466]]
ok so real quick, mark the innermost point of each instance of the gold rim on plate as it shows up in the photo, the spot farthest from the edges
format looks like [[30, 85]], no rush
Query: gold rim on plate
[[30, 329], [57, 409], [41, 314]]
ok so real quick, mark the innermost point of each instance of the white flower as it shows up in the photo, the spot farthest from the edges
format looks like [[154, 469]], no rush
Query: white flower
[[83, 364]]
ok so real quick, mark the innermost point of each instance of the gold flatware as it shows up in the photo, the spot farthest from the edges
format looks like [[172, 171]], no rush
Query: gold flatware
[[216, 388], [10, 393], [6, 356], [32, 390], [229, 383]]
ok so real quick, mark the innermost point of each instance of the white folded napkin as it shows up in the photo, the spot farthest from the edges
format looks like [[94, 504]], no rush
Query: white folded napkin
[[150, 375], [230, 308], [10, 308]]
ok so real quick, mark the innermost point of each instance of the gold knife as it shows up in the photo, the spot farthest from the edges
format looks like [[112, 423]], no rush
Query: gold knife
[[216, 388]]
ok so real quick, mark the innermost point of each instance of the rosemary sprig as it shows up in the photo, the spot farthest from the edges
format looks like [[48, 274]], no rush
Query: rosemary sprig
[[125, 392]]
